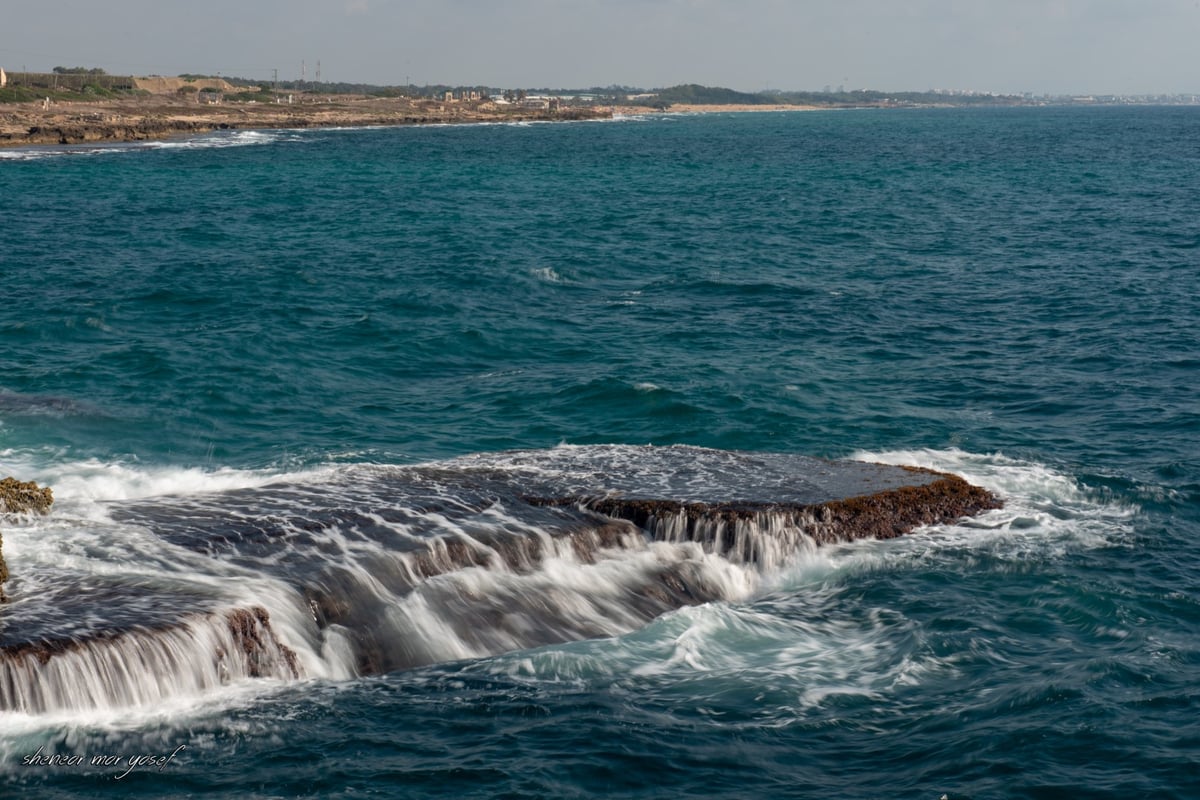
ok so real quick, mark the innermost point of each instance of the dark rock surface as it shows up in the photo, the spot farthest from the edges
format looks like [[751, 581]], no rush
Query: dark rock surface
[[934, 498], [349, 552]]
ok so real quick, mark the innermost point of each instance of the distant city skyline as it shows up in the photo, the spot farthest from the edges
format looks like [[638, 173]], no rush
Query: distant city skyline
[[1014, 47]]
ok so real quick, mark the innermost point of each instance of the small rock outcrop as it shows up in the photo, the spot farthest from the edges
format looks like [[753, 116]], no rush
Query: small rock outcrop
[[17, 497]]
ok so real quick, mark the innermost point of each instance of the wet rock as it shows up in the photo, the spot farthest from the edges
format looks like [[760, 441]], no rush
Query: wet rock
[[748, 532], [17, 497], [143, 665], [407, 566]]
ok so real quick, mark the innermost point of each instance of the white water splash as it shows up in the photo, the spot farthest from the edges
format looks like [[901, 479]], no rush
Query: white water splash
[[1044, 508], [492, 606]]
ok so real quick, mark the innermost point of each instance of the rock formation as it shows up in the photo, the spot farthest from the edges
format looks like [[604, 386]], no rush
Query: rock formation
[[135, 119], [933, 498], [143, 665], [375, 569], [17, 497]]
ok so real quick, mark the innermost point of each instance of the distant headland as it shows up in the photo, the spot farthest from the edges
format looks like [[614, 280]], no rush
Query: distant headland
[[83, 106], [75, 105]]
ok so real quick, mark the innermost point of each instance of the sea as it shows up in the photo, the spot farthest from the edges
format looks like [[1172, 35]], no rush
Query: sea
[[250, 363]]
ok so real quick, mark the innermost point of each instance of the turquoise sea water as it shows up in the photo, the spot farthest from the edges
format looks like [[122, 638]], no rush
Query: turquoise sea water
[[1012, 295]]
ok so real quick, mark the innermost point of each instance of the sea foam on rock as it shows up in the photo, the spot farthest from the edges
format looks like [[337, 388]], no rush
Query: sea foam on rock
[[19, 497], [377, 568]]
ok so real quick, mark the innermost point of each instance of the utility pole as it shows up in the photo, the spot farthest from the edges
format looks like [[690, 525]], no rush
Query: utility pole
[[318, 70], [275, 80]]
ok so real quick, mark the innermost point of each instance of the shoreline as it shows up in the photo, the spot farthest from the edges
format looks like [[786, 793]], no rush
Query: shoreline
[[137, 119], [155, 118]]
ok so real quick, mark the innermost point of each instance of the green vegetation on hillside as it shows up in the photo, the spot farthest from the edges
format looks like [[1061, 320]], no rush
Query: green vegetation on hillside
[[27, 94], [65, 83], [19, 94], [694, 94]]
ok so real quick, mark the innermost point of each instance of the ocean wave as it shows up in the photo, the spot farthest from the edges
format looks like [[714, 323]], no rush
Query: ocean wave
[[203, 141], [231, 138]]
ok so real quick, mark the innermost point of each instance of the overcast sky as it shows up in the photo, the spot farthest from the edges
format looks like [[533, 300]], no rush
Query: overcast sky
[[1041, 46]]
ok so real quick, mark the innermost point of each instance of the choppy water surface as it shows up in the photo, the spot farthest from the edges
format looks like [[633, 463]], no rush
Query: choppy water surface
[[224, 338]]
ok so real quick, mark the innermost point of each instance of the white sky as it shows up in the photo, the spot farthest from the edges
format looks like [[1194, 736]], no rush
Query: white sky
[[1041, 46]]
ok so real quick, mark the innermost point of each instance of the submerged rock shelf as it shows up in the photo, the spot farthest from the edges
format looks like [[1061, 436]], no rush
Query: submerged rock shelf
[[727, 527], [375, 569], [141, 666]]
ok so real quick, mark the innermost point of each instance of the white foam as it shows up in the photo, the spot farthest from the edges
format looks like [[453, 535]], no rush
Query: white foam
[[80, 534], [37, 152], [800, 641], [141, 668], [480, 611], [216, 139], [21, 154], [1044, 508], [832, 648], [86, 723], [220, 139], [733, 656], [92, 480], [547, 274]]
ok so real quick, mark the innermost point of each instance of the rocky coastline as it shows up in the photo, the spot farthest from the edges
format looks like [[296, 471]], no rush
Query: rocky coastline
[[137, 119]]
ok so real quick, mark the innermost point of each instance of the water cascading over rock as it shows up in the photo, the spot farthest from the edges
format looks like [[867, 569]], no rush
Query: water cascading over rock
[[374, 568]]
